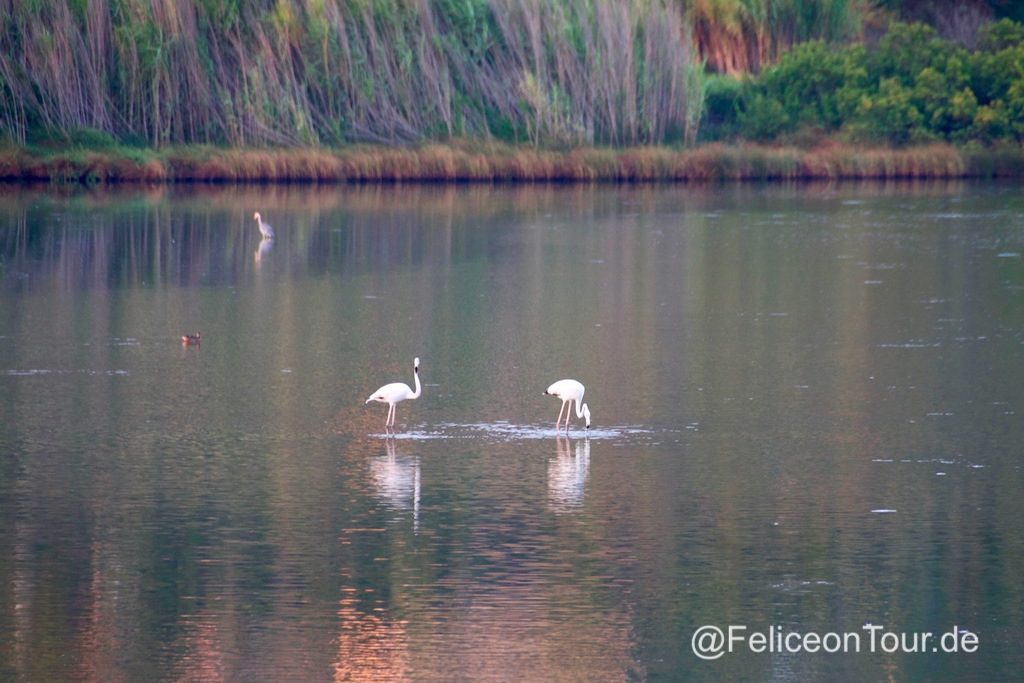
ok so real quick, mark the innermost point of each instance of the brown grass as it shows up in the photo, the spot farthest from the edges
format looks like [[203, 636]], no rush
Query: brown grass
[[465, 162]]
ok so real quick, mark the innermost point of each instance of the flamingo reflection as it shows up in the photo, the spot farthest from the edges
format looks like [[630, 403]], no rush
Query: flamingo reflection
[[396, 479], [567, 475], [266, 244]]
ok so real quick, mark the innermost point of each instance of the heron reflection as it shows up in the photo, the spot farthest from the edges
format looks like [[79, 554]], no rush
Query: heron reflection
[[567, 475], [396, 480]]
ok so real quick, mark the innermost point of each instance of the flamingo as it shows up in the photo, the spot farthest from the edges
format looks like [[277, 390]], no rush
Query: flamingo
[[396, 392], [265, 229], [569, 390]]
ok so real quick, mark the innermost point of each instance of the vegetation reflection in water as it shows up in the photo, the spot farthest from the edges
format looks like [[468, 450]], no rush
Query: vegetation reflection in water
[[770, 369]]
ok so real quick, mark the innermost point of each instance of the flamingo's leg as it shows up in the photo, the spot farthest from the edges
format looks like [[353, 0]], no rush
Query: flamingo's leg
[[560, 411]]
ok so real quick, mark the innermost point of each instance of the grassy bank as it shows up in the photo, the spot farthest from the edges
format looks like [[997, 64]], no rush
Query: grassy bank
[[465, 163]]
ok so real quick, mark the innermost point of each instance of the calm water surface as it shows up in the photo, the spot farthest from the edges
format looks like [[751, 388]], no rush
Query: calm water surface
[[807, 411]]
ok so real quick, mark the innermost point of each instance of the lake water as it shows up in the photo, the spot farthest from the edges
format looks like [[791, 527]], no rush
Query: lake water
[[807, 406]]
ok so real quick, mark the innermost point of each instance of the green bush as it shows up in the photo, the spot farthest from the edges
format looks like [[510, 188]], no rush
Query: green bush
[[891, 115], [914, 87], [762, 117], [805, 83], [722, 101], [1000, 35]]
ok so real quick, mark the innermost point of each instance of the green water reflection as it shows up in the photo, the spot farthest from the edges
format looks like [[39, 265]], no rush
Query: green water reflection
[[768, 369]]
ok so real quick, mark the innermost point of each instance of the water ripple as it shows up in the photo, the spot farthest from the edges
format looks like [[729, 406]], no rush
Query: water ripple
[[507, 431]]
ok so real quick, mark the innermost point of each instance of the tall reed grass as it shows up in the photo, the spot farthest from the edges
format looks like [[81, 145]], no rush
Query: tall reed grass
[[250, 73]]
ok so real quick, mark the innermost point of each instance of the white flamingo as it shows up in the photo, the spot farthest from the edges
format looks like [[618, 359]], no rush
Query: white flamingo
[[396, 392], [265, 229], [569, 390]]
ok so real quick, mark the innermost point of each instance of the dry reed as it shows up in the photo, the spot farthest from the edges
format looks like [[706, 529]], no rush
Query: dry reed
[[305, 73], [462, 162]]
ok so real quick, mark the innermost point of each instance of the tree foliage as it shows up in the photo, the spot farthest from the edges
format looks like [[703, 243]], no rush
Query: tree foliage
[[914, 86]]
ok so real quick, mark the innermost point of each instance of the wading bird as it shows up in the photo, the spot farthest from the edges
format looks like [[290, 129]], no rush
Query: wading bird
[[265, 229], [569, 390], [396, 392]]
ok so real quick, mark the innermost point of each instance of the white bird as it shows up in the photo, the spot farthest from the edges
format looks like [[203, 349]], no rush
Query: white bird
[[265, 229], [569, 390], [396, 392]]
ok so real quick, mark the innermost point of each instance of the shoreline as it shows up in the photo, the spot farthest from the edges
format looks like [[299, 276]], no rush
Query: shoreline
[[482, 163]]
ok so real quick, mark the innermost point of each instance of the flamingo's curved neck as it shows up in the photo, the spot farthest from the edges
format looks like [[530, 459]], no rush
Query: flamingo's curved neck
[[579, 408], [416, 374]]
